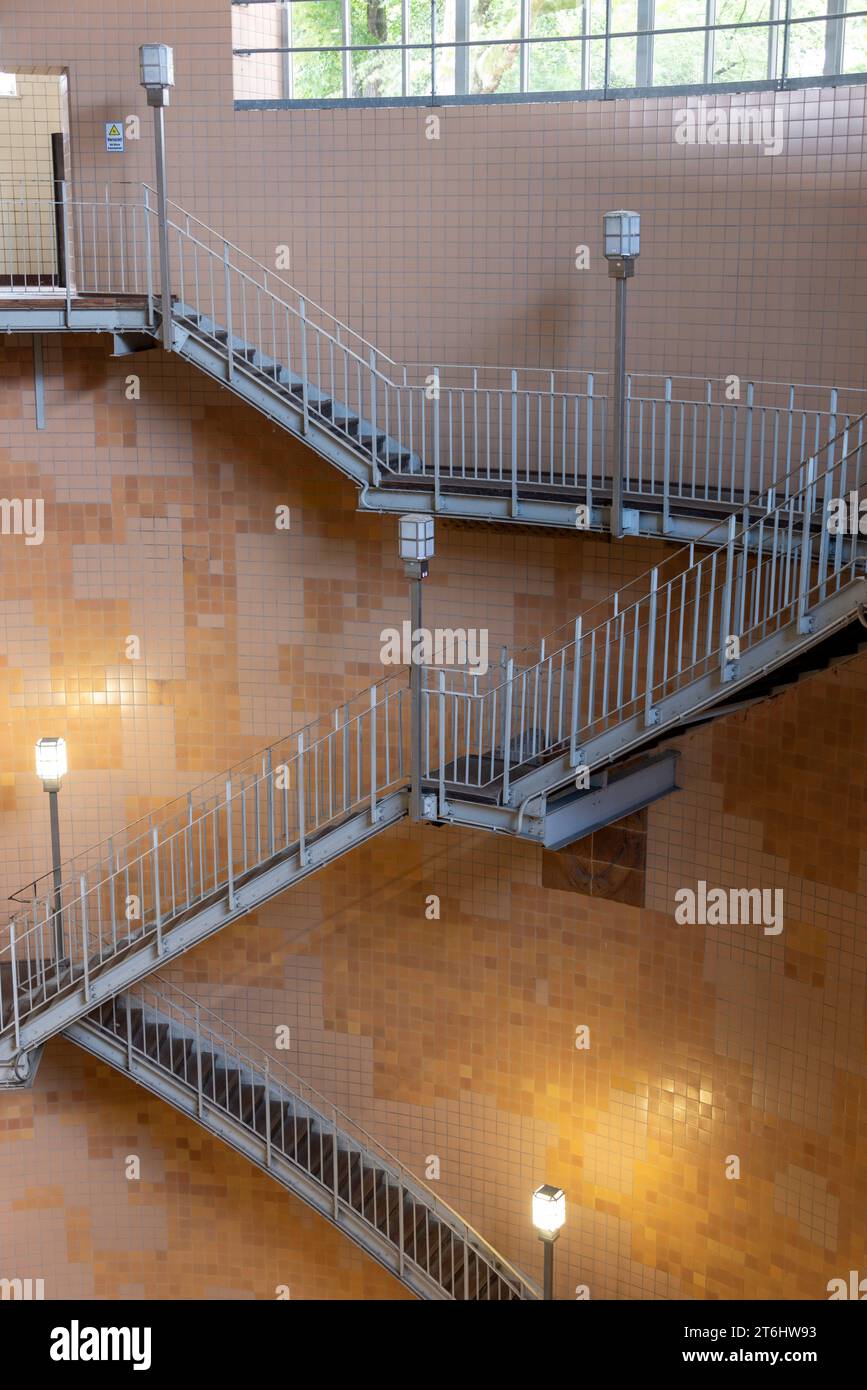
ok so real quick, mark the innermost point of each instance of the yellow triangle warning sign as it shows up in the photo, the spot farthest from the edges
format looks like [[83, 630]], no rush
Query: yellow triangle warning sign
[[113, 130]]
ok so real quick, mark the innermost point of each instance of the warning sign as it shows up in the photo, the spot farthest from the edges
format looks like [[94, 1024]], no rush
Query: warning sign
[[114, 137]]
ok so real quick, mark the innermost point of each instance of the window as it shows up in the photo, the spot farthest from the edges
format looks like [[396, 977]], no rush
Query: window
[[389, 50]]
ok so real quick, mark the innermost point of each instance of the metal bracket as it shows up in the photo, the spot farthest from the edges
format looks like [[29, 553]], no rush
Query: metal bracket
[[729, 671], [651, 717]]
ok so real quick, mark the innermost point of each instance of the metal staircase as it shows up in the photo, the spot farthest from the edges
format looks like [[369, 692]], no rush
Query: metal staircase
[[547, 748], [499, 444], [190, 1058]]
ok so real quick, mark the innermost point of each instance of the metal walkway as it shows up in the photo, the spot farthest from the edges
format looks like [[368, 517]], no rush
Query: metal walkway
[[521, 445], [196, 1062], [546, 748]]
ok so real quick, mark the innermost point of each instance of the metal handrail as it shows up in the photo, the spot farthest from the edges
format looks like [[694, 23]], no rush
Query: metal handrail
[[149, 884], [568, 694], [102, 850], [243, 1050]]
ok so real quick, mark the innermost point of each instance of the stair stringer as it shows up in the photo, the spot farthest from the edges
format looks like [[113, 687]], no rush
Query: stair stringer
[[106, 1035]]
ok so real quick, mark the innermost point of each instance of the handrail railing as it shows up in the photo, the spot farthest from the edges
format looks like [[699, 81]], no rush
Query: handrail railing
[[176, 810], [296, 790], [172, 1006], [656, 636], [518, 431]]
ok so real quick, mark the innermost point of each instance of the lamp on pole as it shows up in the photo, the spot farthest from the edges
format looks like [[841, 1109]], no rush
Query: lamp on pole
[[51, 767], [621, 243], [157, 75], [549, 1215], [416, 546]]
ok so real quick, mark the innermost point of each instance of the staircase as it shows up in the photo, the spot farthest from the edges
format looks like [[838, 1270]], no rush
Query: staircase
[[495, 444], [187, 1056], [550, 746]]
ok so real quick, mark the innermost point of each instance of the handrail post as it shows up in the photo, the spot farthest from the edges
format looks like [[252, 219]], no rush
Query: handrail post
[[191, 872], [334, 1160], [227, 279], [666, 462], [149, 256], [82, 888], [374, 812], [155, 854], [507, 728], [269, 773], [436, 438], [374, 448], [302, 787], [267, 1116], [199, 1095], [651, 716], [515, 506], [805, 623], [128, 1032], [726, 667], [589, 464], [305, 393], [748, 460], [576, 696], [14, 964], [401, 1236], [441, 742], [230, 848]]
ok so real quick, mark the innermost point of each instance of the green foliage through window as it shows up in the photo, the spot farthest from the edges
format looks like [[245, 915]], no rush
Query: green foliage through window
[[381, 49]]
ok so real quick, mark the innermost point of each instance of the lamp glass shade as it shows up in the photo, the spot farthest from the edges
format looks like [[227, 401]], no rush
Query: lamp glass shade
[[622, 234], [549, 1209], [156, 65], [416, 537], [51, 759]]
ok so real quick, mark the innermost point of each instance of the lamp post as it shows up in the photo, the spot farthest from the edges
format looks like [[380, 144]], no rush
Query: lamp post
[[157, 75], [416, 546], [621, 240], [549, 1215], [51, 767]]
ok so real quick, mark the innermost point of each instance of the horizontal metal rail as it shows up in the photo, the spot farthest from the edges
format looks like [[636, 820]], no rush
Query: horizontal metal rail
[[660, 635], [132, 890], [518, 434], [231, 1077]]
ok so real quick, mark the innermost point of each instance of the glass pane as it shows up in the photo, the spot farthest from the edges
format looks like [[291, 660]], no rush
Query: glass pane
[[807, 41], [375, 22], [741, 54], [495, 66], [623, 52], [855, 41], [317, 24], [421, 58], [678, 59], [556, 67]]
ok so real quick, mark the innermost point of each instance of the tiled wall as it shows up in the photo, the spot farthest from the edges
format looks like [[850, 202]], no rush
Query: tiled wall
[[452, 1037], [463, 248]]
